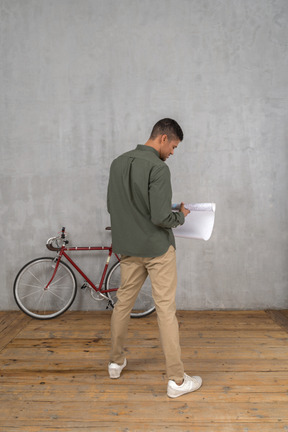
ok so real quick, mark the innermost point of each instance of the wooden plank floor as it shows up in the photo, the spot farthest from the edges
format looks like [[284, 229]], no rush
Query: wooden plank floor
[[54, 374]]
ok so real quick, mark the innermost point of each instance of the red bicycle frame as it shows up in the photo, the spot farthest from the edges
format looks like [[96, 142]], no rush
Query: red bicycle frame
[[62, 253]]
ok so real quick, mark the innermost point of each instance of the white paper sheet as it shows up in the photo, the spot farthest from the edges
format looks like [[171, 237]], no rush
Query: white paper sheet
[[199, 222]]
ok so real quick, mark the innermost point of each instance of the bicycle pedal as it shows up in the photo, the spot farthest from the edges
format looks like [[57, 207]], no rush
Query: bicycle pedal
[[109, 305], [84, 286]]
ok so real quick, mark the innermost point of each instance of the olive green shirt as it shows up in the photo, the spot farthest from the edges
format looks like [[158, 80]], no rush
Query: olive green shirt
[[139, 202]]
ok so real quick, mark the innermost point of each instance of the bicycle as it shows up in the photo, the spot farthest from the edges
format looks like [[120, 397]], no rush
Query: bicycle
[[46, 287]]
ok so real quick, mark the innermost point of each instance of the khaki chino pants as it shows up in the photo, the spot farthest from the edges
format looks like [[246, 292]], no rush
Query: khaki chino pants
[[163, 275]]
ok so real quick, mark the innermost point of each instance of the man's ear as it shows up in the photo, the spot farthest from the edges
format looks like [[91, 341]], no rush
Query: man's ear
[[164, 138]]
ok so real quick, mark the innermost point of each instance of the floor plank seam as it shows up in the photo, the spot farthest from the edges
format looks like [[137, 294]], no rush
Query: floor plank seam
[[279, 318]]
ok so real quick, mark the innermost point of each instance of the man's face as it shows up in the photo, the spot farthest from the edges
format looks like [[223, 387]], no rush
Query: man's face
[[168, 146]]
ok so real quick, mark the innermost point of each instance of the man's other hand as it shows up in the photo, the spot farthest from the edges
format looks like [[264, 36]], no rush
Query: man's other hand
[[184, 210]]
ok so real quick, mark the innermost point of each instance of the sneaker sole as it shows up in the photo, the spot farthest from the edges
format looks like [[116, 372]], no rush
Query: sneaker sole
[[173, 396], [174, 393]]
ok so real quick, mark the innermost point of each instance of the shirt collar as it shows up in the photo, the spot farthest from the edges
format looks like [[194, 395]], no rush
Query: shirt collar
[[143, 147]]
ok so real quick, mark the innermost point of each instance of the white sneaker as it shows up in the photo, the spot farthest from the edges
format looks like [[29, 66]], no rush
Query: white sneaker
[[115, 369], [190, 384]]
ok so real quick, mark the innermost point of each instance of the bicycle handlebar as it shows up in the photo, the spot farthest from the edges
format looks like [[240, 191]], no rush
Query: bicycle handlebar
[[59, 240], [50, 246]]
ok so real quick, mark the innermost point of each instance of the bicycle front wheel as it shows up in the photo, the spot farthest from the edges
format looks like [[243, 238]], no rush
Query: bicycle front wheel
[[144, 304], [34, 297]]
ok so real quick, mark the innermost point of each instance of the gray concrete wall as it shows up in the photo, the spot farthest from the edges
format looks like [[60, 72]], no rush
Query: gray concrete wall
[[82, 81]]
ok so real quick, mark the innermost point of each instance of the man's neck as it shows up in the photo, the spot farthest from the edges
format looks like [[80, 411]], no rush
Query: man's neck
[[153, 143]]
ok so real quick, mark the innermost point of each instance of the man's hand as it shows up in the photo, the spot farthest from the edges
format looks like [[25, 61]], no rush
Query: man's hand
[[184, 210]]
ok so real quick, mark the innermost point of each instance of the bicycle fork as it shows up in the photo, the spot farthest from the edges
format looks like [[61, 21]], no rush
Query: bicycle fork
[[57, 262]]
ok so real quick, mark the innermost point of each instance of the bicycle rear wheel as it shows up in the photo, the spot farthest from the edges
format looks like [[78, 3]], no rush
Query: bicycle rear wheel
[[32, 297], [144, 304]]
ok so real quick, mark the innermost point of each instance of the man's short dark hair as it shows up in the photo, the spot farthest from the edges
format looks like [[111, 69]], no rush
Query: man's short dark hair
[[167, 127]]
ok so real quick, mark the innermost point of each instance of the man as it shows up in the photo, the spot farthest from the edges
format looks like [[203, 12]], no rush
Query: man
[[139, 203]]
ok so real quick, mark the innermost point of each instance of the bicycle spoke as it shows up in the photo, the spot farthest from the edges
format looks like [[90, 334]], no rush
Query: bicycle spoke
[[40, 299], [53, 293], [30, 294], [32, 274], [31, 286], [58, 280], [61, 287]]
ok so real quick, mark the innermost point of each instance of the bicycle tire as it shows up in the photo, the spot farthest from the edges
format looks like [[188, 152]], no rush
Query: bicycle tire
[[144, 304], [40, 303]]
